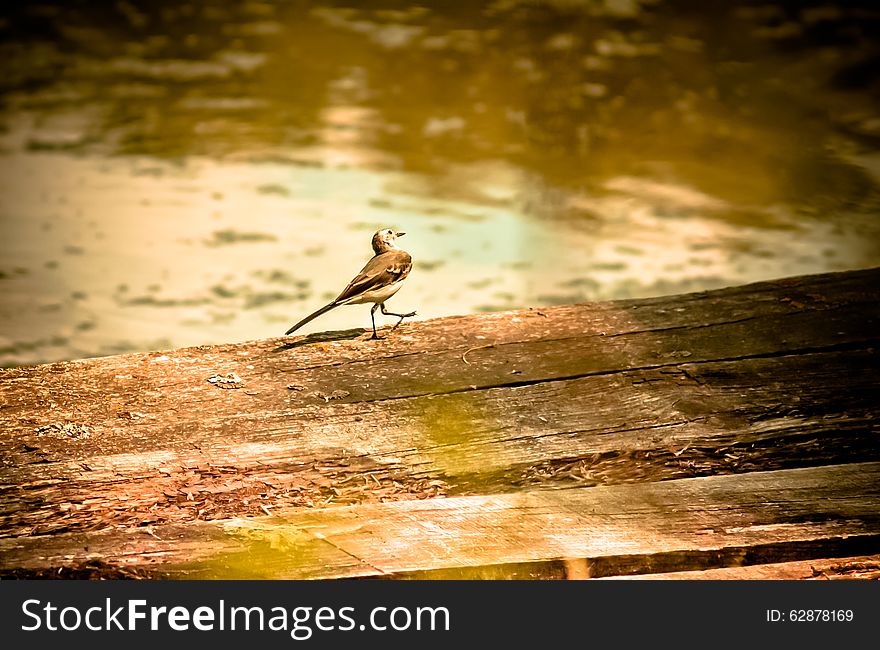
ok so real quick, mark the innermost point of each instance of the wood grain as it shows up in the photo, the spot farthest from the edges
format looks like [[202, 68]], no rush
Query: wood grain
[[625, 529]]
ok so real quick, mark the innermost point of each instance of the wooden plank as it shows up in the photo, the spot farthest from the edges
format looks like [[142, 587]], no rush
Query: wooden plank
[[711, 418], [629, 528], [864, 567], [770, 319]]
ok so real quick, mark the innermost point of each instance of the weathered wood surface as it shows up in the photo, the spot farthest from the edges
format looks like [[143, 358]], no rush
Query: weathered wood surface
[[608, 530], [770, 376]]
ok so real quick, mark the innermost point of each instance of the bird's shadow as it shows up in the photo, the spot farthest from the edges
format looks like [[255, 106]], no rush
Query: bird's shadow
[[321, 337]]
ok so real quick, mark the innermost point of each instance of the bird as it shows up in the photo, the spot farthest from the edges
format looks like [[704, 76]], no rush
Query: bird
[[380, 279]]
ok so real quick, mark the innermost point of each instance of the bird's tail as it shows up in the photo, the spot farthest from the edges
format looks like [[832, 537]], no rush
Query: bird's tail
[[313, 316]]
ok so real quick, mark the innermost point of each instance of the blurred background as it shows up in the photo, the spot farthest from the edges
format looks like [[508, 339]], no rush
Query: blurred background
[[178, 173]]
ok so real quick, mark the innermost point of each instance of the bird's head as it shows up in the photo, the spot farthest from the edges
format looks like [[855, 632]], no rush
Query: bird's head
[[385, 239]]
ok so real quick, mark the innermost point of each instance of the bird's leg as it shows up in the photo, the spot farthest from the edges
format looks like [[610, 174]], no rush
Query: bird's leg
[[400, 316], [373, 318]]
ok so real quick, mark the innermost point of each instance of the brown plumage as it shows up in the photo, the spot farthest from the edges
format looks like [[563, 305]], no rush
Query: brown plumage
[[380, 279]]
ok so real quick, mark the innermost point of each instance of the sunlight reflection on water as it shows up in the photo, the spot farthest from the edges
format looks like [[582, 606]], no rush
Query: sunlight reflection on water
[[191, 174]]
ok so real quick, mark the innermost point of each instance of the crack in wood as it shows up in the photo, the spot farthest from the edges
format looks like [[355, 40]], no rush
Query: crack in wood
[[857, 345]]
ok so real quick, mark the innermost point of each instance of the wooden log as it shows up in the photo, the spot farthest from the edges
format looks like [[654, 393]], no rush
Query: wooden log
[[768, 376]]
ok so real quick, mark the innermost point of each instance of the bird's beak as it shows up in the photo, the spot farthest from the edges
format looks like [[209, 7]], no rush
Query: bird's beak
[[400, 234]]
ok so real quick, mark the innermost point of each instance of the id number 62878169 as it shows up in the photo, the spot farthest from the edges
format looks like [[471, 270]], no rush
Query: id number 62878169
[[810, 616]]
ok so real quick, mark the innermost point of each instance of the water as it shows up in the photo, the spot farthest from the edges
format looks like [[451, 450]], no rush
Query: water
[[187, 173]]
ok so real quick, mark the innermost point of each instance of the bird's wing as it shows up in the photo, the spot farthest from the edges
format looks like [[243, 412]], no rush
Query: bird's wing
[[383, 269]]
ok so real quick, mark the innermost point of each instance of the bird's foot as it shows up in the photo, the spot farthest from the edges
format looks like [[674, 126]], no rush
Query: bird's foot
[[376, 337], [402, 316]]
